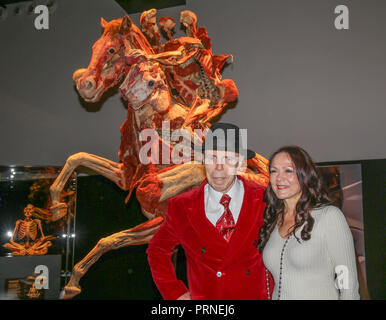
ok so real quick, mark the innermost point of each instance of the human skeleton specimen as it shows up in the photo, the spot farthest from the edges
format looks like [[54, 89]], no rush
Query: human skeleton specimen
[[33, 293], [177, 83], [28, 238]]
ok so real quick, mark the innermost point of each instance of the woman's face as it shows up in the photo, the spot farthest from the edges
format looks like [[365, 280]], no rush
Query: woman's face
[[283, 178]]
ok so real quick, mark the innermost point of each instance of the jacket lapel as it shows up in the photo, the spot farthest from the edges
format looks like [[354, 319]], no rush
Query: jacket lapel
[[199, 222]]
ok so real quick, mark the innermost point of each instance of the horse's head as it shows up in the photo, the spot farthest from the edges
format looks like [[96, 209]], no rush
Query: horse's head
[[145, 84], [107, 65]]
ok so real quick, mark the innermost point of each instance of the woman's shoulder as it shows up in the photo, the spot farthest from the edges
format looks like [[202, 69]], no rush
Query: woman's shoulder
[[326, 210], [329, 214]]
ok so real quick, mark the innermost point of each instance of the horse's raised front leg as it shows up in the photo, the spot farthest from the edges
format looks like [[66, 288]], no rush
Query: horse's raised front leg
[[157, 187], [180, 178], [107, 168]]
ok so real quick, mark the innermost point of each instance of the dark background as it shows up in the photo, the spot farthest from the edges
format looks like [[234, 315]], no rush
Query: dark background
[[122, 273]]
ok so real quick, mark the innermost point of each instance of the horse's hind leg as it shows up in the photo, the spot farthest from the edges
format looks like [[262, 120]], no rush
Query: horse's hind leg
[[138, 235]]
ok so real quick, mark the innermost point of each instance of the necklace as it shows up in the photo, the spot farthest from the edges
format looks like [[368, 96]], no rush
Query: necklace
[[281, 267], [266, 278]]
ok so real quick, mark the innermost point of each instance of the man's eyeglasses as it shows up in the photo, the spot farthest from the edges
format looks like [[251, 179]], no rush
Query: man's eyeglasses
[[228, 160]]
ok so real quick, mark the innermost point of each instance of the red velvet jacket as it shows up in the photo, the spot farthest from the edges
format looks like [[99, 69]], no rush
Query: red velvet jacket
[[216, 269]]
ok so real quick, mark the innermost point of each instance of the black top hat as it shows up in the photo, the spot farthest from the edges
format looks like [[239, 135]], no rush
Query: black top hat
[[227, 137]]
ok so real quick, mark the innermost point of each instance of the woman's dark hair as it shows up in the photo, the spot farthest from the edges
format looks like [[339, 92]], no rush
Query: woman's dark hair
[[313, 195]]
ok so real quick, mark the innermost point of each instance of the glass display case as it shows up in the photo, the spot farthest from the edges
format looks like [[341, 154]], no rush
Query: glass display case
[[36, 251]]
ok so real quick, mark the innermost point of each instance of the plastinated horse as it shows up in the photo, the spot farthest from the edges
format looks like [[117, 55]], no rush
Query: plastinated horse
[[124, 56]]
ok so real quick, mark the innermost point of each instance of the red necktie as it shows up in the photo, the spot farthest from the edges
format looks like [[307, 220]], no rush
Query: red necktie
[[225, 225]]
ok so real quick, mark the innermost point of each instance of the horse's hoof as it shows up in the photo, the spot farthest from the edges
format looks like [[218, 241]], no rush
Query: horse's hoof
[[69, 292], [58, 210]]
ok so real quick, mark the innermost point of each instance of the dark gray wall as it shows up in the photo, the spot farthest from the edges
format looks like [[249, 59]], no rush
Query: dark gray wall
[[301, 81]]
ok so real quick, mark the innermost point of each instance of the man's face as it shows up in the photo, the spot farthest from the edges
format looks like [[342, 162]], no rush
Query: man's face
[[221, 168]]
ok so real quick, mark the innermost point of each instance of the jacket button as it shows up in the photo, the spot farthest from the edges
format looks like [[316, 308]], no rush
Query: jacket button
[[219, 274], [248, 271], [203, 250]]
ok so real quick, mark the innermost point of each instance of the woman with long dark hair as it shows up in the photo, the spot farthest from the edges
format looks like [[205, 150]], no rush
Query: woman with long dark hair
[[306, 242]]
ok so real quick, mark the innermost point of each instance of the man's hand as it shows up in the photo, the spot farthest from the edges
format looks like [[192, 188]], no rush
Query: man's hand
[[185, 296]]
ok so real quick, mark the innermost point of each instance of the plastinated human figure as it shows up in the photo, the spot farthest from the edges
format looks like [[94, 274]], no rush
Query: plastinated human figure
[[28, 238]]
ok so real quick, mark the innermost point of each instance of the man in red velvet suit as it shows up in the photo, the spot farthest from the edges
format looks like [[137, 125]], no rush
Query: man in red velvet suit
[[217, 224]]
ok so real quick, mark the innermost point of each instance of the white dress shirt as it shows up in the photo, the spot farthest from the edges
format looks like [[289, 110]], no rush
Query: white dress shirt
[[214, 209]]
